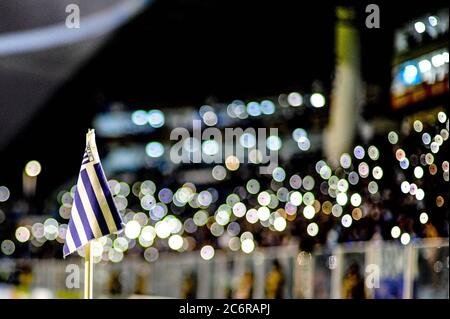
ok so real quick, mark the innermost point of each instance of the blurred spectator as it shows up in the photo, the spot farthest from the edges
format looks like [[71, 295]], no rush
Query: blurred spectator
[[353, 283], [275, 281], [245, 288], [189, 287], [115, 286]]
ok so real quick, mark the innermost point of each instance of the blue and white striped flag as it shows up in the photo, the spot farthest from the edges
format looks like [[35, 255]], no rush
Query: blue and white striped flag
[[94, 213]]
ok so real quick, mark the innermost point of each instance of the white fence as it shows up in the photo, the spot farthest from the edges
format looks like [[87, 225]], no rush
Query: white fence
[[389, 270]]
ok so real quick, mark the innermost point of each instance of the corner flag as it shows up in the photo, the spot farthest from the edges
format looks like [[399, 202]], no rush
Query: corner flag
[[94, 213]]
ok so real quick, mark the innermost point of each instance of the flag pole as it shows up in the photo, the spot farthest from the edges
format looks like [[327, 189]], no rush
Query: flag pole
[[88, 271]]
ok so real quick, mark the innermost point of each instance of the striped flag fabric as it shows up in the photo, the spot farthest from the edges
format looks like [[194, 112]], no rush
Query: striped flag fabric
[[94, 213]]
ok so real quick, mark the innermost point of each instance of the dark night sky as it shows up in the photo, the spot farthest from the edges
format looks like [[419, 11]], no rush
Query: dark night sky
[[180, 52]]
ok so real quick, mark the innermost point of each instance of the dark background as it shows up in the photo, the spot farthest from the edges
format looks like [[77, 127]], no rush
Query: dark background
[[182, 52]]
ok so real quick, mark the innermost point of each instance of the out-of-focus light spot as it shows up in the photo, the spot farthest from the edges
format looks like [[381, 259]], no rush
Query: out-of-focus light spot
[[420, 27], [165, 195], [429, 158], [309, 212], [148, 233], [154, 149], [210, 118], [440, 201], [304, 143], [115, 256], [426, 138], [420, 194], [433, 21], [308, 198], [404, 163], [4, 193], [33, 168], [359, 152], [363, 169], [445, 166], [247, 245], [234, 243], [424, 66], [434, 147], [253, 109], [296, 198], [148, 202], [418, 126], [357, 213], [232, 163], [219, 172], [410, 74], [295, 181], [252, 216], [345, 160], [247, 140], [204, 198], [341, 199], [346, 220], [175, 242], [355, 200], [308, 182], [207, 252], [156, 118], [273, 143], [438, 60], [200, 217], [336, 210], [267, 107], [423, 218], [325, 172], [279, 223], [295, 99], [132, 229], [418, 172], [120, 244], [393, 137], [263, 213], [353, 178], [373, 152], [162, 229], [139, 117], [96, 248], [342, 185], [445, 56], [372, 187], [319, 165], [279, 174], [395, 232], [298, 133], [317, 100], [22, 234], [8, 247], [405, 238], [442, 117], [210, 147], [151, 254], [222, 217], [377, 172], [312, 229], [264, 198], [253, 186], [233, 229], [239, 209]]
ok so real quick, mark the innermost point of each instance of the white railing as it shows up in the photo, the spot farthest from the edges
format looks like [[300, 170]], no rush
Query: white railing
[[389, 270]]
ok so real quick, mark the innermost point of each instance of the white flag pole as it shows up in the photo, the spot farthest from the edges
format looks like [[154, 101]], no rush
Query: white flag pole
[[88, 271]]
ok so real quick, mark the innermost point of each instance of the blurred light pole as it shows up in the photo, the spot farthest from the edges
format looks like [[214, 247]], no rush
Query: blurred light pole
[[346, 93]]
